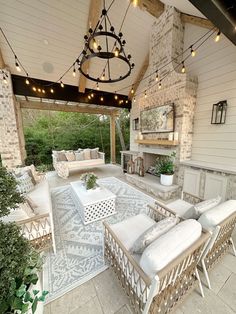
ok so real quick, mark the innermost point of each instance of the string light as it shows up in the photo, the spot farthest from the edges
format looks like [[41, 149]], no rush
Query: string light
[[103, 76], [193, 52], [95, 45], [116, 97], [97, 86], [132, 90], [92, 95], [17, 65], [157, 76], [126, 101], [135, 3], [62, 85], [145, 95], [183, 70], [4, 79], [89, 97], [39, 90], [101, 98], [43, 91], [116, 52], [217, 36], [52, 90], [159, 85], [74, 72], [34, 88], [27, 81], [134, 99]]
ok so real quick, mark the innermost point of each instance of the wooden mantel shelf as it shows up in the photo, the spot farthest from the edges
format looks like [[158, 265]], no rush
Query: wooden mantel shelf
[[157, 142]]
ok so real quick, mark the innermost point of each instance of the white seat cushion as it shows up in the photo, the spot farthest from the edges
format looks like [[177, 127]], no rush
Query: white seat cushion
[[41, 197], [180, 207], [213, 217], [165, 249], [129, 230]]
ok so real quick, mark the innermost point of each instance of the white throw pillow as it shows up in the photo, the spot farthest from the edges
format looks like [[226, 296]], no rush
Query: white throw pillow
[[210, 219], [87, 153], [94, 153], [169, 246], [198, 209], [79, 156], [25, 183], [153, 233], [70, 156]]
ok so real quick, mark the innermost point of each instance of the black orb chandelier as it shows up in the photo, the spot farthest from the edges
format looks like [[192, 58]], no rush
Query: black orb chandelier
[[103, 44]]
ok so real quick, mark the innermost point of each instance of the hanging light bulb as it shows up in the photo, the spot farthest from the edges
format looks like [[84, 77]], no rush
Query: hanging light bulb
[[17, 65], [89, 97], [74, 72], [134, 99], [116, 97], [39, 90], [183, 70], [193, 52], [217, 38], [52, 90], [117, 52], [135, 3], [4, 79], [101, 98], [157, 76], [62, 85], [43, 91], [92, 95], [132, 90], [103, 76], [159, 85], [34, 88], [27, 81], [97, 86], [145, 95], [95, 45]]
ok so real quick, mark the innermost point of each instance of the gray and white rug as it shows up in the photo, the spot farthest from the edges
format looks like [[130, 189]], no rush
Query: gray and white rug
[[79, 254]]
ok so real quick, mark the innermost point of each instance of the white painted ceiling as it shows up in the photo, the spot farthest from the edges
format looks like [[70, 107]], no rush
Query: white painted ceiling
[[47, 36]]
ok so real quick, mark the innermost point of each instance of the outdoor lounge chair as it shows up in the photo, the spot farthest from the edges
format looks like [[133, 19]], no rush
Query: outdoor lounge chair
[[163, 291]]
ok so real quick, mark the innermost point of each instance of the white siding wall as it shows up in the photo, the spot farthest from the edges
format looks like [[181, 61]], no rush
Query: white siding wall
[[215, 67]]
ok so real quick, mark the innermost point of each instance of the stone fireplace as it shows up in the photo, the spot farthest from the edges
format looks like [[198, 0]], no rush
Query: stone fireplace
[[166, 43]]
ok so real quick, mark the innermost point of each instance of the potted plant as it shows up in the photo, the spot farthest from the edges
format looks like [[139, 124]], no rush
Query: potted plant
[[89, 180], [19, 262], [165, 168]]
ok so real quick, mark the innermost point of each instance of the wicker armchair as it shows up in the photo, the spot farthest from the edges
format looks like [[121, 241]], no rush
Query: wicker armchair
[[162, 293]]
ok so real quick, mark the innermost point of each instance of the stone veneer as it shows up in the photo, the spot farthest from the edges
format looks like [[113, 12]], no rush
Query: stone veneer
[[166, 43], [10, 151]]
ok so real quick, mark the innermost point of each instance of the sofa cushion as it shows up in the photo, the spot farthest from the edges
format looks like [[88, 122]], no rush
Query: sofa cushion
[[40, 195], [24, 183], [170, 245], [206, 205], [213, 217], [180, 207], [153, 233], [87, 153], [129, 230], [70, 156], [79, 156], [94, 153], [61, 156]]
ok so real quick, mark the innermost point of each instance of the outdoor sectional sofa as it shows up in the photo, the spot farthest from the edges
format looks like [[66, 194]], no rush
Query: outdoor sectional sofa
[[66, 161], [157, 280]]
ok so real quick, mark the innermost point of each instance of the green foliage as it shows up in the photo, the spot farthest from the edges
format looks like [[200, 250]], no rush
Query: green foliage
[[9, 196], [165, 164], [69, 130], [19, 264], [89, 180]]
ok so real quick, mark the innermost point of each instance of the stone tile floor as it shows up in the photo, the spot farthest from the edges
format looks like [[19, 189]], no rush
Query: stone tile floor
[[103, 294]]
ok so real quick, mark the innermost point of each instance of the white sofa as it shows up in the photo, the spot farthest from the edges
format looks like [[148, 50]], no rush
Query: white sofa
[[35, 218], [75, 160]]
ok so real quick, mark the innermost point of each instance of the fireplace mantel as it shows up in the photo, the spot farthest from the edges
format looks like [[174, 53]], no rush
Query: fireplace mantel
[[157, 142]]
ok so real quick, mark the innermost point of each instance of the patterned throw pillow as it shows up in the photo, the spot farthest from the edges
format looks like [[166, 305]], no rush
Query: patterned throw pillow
[[94, 153], [197, 210], [87, 153], [153, 233], [25, 183], [70, 156], [61, 156], [79, 156]]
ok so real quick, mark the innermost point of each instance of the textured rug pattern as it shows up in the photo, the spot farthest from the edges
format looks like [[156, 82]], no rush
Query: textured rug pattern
[[79, 254]]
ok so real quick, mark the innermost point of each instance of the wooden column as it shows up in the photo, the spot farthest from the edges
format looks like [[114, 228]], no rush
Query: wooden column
[[113, 138]]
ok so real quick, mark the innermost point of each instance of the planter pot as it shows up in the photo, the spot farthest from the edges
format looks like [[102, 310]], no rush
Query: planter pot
[[167, 179]]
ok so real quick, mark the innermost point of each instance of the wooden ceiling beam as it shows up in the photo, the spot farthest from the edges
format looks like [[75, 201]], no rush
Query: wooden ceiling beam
[[195, 20], [154, 7], [66, 108], [140, 75], [94, 14]]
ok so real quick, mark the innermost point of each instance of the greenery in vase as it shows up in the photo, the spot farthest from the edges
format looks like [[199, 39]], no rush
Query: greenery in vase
[[19, 262], [90, 180], [165, 164]]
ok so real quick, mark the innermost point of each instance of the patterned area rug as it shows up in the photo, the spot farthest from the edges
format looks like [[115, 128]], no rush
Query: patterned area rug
[[79, 254]]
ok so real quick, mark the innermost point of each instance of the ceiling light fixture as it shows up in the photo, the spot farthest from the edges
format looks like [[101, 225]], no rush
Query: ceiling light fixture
[[113, 48]]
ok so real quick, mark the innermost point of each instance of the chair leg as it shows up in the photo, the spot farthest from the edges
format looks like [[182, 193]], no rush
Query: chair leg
[[233, 246], [206, 274], [199, 283]]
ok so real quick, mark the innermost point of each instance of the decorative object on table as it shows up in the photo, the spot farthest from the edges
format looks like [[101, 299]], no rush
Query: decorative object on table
[[219, 112], [136, 124], [159, 119], [130, 167], [139, 166], [89, 180], [165, 168], [103, 45]]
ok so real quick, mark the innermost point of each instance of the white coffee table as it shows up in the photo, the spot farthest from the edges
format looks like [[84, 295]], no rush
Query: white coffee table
[[93, 204]]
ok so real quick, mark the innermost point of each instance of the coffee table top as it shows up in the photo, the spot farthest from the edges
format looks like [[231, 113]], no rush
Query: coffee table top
[[88, 197]]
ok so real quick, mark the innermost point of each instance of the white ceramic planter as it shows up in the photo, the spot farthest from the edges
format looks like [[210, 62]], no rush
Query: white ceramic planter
[[166, 179]]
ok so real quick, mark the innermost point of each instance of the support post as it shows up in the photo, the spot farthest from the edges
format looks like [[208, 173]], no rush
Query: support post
[[113, 138]]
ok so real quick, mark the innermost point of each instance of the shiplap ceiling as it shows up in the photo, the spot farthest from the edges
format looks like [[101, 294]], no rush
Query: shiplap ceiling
[[47, 36]]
